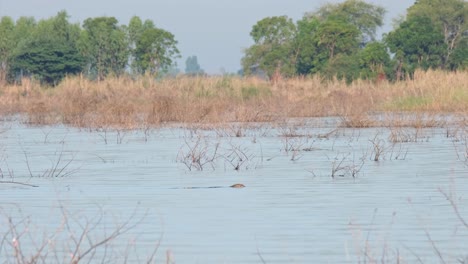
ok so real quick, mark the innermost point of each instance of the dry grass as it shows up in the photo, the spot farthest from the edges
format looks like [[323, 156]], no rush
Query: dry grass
[[145, 102]]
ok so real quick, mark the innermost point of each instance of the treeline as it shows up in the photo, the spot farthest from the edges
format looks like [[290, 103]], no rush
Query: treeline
[[340, 40], [52, 48], [335, 40]]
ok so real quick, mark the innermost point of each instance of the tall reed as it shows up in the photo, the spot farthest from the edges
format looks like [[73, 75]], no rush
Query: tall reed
[[131, 103]]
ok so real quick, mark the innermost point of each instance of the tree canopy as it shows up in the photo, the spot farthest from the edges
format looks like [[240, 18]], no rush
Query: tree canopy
[[7, 45], [103, 43], [364, 16], [449, 17], [52, 48], [48, 60], [48, 50], [271, 53], [335, 40], [155, 49], [417, 44], [321, 41], [339, 40]]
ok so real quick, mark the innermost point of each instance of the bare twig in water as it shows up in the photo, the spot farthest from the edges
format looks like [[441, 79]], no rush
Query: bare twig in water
[[238, 157], [198, 154], [82, 242], [379, 148], [434, 246], [336, 166], [414, 254], [342, 166], [454, 207], [58, 169]]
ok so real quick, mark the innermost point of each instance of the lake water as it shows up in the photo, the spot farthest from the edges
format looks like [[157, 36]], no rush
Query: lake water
[[291, 211]]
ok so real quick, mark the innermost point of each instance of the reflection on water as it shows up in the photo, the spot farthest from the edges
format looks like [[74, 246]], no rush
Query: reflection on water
[[292, 210]]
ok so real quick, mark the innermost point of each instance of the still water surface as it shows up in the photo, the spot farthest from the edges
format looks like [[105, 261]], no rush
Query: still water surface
[[291, 211]]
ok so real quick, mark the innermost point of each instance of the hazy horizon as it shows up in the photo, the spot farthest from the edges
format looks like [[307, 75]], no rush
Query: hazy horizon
[[214, 31]]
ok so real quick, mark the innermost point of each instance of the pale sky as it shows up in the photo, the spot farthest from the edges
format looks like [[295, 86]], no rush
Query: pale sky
[[216, 31]]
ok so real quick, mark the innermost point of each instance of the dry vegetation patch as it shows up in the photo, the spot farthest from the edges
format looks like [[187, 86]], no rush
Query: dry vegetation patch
[[134, 103]]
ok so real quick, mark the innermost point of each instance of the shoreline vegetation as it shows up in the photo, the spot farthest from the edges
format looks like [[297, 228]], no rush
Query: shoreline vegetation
[[102, 74], [145, 102]]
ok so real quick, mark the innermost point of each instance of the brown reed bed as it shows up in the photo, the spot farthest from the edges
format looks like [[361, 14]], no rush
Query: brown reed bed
[[146, 102]]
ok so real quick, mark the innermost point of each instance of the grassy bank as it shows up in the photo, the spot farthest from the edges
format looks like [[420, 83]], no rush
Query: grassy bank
[[145, 102]]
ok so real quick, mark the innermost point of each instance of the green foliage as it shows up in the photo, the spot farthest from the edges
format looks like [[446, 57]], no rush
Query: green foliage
[[47, 60], [327, 42], [449, 17], [24, 29], [154, 49], [459, 58], [47, 51], [13, 37], [364, 16], [7, 45], [54, 47], [273, 31], [58, 29], [416, 44], [311, 57], [371, 62], [374, 60], [337, 36], [343, 67], [192, 67], [104, 44], [318, 42], [271, 53], [134, 30]]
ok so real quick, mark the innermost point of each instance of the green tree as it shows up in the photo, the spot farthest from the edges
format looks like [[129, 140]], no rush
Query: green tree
[[59, 29], [47, 60], [192, 67], [13, 37], [311, 57], [48, 51], [134, 30], [155, 50], [459, 58], [374, 60], [273, 31], [343, 66], [7, 45], [330, 31], [338, 36], [24, 30], [104, 45], [449, 17], [272, 51], [416, 44], [364, 16]]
